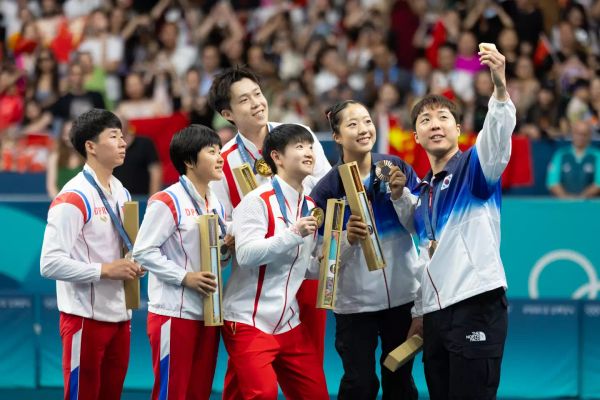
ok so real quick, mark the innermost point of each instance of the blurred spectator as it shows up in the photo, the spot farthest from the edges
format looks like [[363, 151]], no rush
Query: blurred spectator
[[421, 77], [106, 51], [574, 14], [226, 133], [386, 70], [543, 117], [64, 162], [261, 65], [24, 45], [94, 77], [578, 108], [174, 55], [405, 17], [211, 66], [570, 58], [484, 88], [595, 105], [51, 18], [528, 21], [220, 26], [574, 171], [193, 103], [141, 173], [486, 19], [523, 88], [447, 80], [508, 44], [45, 85], [36, 120], [138, 105], [11, 98], [76, 100], [291, 106], [467, 59], [78, 8]]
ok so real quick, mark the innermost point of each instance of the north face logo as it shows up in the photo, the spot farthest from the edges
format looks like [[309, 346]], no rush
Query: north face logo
[[476, 337]]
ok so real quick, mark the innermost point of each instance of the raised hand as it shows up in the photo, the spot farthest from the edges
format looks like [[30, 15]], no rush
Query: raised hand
[[490, 56], [397, 182], [306, 226]]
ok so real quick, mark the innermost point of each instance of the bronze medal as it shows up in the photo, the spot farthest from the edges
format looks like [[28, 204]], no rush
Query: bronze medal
[[319, 215], [225, 253], [383, 170], [262, 167], [431, 248]]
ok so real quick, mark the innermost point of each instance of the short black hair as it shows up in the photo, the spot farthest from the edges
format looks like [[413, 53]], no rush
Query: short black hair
[[219, 95], [186, 144], [280, 137], [434, 101], [89, 125]]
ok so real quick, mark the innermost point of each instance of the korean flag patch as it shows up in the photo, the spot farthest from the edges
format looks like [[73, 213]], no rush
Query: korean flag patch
[[446, 182]]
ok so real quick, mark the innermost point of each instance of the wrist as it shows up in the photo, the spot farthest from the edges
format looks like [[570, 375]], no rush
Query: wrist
[[294, 229], [104, 271]]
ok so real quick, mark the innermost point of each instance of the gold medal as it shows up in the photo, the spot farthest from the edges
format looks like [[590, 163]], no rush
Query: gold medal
[[431, 248], [319, 215], [262, 167], [383, 170]]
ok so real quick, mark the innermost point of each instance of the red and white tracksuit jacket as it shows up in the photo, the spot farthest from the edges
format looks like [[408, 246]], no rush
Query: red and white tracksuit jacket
[[79, 237], [227, 190], [272, 261], [168, 245]]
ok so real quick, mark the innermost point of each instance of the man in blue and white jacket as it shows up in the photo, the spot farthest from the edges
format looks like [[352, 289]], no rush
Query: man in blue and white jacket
[[457, 218]]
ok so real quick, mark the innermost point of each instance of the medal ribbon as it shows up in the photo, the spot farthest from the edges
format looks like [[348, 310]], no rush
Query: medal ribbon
[[281, 202], [116, 221], [197, 206], [244, 153], [431, 209]]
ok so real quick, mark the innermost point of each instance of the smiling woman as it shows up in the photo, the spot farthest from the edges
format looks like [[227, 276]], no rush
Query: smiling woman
[[371, 305]]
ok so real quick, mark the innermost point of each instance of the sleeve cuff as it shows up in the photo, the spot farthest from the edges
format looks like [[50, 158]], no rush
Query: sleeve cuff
[[98, 268], [180, 276], [294, 235]]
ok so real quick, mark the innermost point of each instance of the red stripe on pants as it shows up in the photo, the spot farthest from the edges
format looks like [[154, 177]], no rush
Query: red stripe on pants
[[104, 356], [261, 361], [193, 357]]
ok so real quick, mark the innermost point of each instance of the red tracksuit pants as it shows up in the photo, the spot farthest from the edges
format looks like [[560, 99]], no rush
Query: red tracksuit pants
[[95, 357], [184, 357], [312, 318], [260, 361]]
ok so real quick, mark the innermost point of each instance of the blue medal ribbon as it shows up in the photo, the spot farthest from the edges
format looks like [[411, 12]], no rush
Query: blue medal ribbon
[[281, 201], [197, 206], [244, 153], [431, 210], [116, 221]]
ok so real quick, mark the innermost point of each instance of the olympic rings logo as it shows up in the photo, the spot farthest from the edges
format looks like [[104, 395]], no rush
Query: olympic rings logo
[[590, 289]]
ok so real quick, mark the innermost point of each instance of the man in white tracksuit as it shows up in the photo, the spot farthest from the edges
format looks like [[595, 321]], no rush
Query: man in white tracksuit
[[457, 218]]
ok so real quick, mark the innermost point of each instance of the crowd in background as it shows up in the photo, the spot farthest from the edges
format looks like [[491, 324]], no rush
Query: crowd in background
[[146, 59]]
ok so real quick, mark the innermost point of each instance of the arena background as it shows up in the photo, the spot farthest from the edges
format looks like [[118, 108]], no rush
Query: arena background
[[549, 248], [311, 54]]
